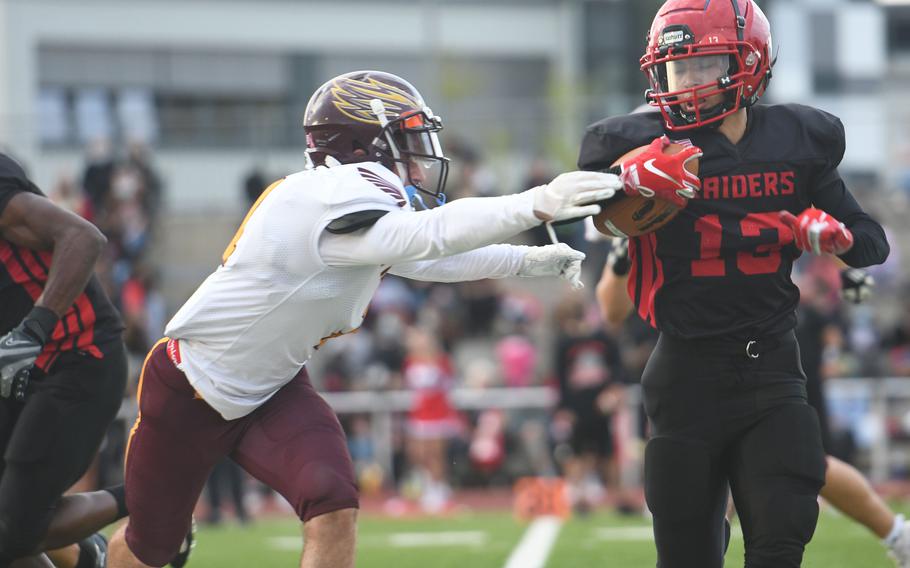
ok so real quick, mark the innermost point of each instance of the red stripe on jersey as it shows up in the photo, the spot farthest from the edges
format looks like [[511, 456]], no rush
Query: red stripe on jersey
[[647, 278], [17, 271], [633, 270], [80, 318], [30, 271], [658, 279], [85, 340]]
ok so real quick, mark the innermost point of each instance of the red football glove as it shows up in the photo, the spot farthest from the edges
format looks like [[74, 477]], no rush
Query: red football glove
[[816, 231], [655, 174]]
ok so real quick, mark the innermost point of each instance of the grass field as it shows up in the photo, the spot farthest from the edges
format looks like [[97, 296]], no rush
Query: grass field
[[486, 540]]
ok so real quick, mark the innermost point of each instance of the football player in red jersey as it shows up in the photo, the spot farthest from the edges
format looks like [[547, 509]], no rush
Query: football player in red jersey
[[724, 389], [845, 487]]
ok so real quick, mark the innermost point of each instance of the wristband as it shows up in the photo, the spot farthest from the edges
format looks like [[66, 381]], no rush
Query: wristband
[[40, 323]]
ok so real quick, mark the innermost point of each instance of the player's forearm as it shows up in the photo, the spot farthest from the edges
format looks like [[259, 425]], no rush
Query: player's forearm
[[457, 227], [612, 298], [492, 261], [75, 252], [870, 245]]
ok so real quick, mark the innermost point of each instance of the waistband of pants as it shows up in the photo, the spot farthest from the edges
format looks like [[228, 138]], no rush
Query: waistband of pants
[[747, 347]]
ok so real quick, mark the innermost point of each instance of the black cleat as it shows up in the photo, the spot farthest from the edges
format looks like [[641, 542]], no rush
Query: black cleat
[[186, 548]]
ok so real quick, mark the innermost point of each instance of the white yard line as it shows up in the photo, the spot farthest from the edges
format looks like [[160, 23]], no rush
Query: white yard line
[[536, 544]]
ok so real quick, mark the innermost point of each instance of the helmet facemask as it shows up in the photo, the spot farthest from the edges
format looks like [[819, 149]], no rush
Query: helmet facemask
[[409, 145], [694, 86]]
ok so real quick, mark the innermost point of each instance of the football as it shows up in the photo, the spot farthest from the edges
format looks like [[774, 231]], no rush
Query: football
[[636, 215]]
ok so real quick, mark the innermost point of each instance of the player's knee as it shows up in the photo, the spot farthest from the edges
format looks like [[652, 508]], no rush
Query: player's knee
[[332, 526], [156, 551], [326, 488], [678, 478], [18, 539], [786, 511]]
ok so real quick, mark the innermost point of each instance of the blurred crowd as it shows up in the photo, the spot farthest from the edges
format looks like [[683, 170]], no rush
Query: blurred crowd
[[432, 338], [120, 192]]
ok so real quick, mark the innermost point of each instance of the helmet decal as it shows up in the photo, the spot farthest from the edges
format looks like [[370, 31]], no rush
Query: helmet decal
[[352, 98]]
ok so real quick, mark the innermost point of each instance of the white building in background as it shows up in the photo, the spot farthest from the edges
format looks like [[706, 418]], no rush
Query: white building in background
[[220, 85], [834, 55]]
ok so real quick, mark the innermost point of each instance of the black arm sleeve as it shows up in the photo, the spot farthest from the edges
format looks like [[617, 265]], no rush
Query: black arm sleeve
[[870, 246], [830, 194], [355, 221]]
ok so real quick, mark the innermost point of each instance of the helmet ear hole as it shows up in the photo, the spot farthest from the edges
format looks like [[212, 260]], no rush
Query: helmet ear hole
[[357, 149]]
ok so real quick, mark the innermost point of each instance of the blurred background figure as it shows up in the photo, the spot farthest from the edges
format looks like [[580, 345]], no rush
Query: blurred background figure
[[228, 476], [590, 376], [432, 421]]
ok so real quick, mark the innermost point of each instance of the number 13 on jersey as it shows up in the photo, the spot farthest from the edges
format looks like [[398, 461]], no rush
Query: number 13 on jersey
[[763, 234]]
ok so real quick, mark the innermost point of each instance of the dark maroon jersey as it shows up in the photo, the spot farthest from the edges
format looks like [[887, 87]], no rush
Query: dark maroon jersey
[[722, 266], [92, 320]]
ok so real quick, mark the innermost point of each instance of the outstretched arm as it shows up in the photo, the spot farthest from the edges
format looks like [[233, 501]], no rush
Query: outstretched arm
[[498, 261], [493, 261], [466, 224]]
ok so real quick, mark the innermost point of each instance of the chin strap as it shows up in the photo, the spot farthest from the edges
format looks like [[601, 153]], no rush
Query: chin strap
[[415, 197]]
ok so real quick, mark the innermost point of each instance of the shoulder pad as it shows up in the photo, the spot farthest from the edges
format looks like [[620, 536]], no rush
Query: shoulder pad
[[608, 139], [823, 131], [368, 183]]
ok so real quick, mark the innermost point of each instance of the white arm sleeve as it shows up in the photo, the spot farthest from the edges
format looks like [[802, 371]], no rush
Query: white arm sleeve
[[405, 236], [492, 261]]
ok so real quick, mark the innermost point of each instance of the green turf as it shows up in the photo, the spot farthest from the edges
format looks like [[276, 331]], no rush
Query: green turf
[[485, 541]]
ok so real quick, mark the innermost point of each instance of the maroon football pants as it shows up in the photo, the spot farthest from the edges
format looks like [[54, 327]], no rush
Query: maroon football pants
[[292, 443]]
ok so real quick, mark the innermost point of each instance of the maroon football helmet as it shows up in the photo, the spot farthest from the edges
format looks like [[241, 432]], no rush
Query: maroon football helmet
[[706, 49], [371, 116]]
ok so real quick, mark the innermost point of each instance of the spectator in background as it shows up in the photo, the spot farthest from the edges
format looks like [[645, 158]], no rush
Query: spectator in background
[[138, 159], [590, 376], [897, 344], [254, 184], [226, 473], [97, 175], [432, 420], [69, 196]]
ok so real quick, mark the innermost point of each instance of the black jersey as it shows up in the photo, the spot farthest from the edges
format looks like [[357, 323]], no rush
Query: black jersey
[[722, 266], [89, 323]]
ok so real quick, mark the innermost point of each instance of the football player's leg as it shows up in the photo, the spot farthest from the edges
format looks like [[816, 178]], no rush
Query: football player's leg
[[847, 490], [80, 515], [173, 446], [296, 446], [777, 469], [687, 495], [55, 438]]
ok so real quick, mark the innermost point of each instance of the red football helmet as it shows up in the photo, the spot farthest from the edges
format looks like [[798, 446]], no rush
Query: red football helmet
[[706, 59], [374, 116]]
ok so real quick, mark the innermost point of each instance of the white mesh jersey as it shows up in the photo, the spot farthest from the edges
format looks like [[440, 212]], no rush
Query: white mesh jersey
[[254, 322]]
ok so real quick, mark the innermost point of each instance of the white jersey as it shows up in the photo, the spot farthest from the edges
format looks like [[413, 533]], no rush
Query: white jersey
[[253, 323]]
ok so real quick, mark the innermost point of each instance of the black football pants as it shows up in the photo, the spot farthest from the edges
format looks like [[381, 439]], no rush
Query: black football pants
[[50, 440], [724, 416]]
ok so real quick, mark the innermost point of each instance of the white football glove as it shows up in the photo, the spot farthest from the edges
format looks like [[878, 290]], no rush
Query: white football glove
[[553, 260], [573, 195]]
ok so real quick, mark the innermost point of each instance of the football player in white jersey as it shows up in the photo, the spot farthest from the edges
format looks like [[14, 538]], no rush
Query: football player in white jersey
[[230, 378]]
